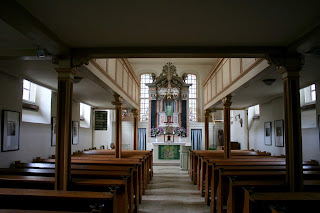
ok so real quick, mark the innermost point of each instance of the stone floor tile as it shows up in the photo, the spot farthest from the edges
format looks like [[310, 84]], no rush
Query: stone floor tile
[[171, 191]]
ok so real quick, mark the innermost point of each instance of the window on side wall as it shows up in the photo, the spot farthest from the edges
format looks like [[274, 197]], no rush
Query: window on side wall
[[308, 95], [36, 107], [29, 96], [85, 115]]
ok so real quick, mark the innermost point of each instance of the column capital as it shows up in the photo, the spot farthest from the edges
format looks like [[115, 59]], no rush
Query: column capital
[[207, 113], [66, 72], [135, 112], [71, 61], [287, 63], [117, 102], [226, 101]]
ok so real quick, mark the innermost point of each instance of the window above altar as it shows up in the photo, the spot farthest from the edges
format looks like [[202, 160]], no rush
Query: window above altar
[[144, 96], [192, 79]]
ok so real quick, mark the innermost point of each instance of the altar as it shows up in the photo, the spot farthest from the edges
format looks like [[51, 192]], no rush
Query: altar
[[168, 123]]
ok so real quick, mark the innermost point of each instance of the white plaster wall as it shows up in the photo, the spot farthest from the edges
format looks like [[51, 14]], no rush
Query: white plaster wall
[[35, 139], [238, 133], [270, 111], [104, 137], [310, 144]]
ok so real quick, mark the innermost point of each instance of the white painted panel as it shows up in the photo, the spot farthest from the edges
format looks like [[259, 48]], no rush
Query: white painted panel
[[226, 73], [119, 74], [219, 81], [133, 91], [130, 87], [205, 92], [213, 86], [209, 91], [102, 62], [125, 81], [112, 68], [247, 62], [235, 68]]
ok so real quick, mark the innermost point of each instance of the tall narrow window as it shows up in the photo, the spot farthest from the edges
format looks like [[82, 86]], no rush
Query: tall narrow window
[[309, 93], [29, 91], [192, 79], [144, 99]]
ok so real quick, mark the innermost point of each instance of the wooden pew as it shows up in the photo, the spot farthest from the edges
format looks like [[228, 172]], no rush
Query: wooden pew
[[111, 162], [124, 153], [256, 202], [76, 201], [137, 183], [81, 184], [269, 173], [132, 181], [212, 176], [236, 190]]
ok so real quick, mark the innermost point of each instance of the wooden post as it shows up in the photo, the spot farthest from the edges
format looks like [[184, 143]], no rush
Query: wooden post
[[135, 129], [206, 128], [226, 116], [289, 66], [64, 125], [292, 128], [118, 136]]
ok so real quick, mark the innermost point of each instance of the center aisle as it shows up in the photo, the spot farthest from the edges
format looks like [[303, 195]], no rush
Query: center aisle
[[172, 191]]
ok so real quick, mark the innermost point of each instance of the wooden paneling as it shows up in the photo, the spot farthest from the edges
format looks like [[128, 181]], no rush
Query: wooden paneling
[[235, 68], [225, 73]]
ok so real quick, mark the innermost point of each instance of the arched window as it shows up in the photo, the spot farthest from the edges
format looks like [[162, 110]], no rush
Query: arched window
[[192, 79], [144, 99]]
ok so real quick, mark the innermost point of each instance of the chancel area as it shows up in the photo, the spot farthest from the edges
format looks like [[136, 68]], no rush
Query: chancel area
[[166, 107]]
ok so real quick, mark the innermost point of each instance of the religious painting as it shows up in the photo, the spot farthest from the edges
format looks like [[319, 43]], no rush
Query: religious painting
[[75, 132], [268, 133], [53, 131], [10, 130], [278, 126]]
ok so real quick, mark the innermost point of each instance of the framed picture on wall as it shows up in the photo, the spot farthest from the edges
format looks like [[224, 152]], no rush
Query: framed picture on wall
[[279, 134], [10, 130], [53, 131], [75, 132], [268, 133]]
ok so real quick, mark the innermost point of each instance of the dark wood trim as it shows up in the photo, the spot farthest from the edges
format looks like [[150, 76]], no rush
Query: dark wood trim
[[179, 52], [308, 107], [30, 106]]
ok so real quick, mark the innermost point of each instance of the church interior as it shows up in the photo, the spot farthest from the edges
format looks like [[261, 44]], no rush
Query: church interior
[[159, 107]]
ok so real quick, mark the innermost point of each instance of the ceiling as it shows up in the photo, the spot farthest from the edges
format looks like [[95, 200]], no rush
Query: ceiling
[[98, 23], [192, 33]]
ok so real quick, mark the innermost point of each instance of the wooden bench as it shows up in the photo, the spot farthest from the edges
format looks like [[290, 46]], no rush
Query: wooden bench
[[41, 182], [223, 187], [236, 190], [256, 202], [211, 178], [76, 201]]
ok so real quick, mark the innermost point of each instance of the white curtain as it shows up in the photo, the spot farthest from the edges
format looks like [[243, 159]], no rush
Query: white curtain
[[196, 138], [142, 136]]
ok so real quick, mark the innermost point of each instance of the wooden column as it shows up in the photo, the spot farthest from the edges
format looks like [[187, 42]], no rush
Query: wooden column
[[135, 129], [206, 128], [292, 128], [118, 136], [226, 116], [63, 131]]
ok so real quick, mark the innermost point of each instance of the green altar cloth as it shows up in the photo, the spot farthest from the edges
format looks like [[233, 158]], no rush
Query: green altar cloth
[[169, 152]]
